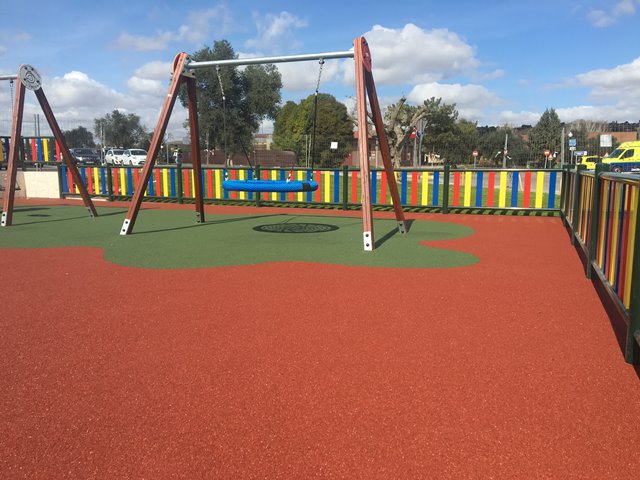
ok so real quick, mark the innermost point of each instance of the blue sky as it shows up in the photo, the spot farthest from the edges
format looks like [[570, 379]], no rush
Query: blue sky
[[501, 62]]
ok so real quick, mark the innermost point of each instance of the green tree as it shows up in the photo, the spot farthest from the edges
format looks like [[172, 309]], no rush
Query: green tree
[[79, 137], [436, 119], [454, 144], [294, 130], [546, 134], [120, 130], [250, 96], [491, 146]]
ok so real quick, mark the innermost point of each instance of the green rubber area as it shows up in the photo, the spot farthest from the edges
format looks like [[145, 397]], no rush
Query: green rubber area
[[170, 239]]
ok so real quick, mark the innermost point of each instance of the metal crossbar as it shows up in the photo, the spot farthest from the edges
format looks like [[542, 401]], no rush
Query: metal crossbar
[[260, 60]]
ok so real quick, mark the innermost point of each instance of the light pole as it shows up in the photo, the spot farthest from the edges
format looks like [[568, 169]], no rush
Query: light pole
[[572, 145], [562, 148]]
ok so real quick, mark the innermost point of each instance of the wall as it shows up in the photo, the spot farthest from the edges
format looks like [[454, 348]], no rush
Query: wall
[[35, 184]]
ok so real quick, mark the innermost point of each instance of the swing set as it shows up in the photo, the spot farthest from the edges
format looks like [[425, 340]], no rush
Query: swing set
[[29, 78], [256, 185], [184, 71]]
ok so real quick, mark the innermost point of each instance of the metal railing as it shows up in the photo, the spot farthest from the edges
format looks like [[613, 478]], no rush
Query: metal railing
[[600, 210]]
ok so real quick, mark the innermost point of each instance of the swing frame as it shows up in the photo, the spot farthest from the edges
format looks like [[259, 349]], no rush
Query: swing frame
[[29, 78], [184, 69]]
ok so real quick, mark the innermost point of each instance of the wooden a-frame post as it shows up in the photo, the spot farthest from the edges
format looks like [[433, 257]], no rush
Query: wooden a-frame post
[[180, 75], [366, 86], [29, 78]]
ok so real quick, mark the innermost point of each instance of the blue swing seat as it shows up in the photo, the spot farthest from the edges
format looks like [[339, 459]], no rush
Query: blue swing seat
[[269, 186]]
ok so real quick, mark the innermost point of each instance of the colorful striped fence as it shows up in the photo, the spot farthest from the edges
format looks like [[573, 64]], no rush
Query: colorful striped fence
[[601, 214], [34, 149], [509, 189]]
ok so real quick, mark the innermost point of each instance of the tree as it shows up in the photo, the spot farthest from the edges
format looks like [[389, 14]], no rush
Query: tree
[[545, 135], [120, 130], [294, 130], [437, 119], [250, 96], [491, 146], [79, 137]]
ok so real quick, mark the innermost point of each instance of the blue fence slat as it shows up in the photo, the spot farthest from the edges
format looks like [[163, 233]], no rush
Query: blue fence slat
[[514, 189], [552, 190], [130, 186], [374, 187], [63, 173], [479, 176], [403, 183], [103, 180], [172, 175], [436, 188]]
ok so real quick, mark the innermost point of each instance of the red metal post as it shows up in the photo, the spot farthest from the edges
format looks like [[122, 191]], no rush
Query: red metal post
[[68, 160], [14, 150], [382, 139], [363, 142], [156, 142], [195, 147]]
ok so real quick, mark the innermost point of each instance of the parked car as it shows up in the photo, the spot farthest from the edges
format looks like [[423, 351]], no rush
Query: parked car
[[114, 156], [134, 157], [85, 156], [589, 161]]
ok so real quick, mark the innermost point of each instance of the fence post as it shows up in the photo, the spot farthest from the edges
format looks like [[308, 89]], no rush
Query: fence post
[[632, 350], [564, 193], [345, 187], [110, 182], [576, 200], [595, 216], [179, 186], [445, 189], [257, 177]]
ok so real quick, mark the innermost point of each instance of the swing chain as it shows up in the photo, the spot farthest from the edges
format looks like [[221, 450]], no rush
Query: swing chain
[[220, 82], [224, 122], [319, 75]]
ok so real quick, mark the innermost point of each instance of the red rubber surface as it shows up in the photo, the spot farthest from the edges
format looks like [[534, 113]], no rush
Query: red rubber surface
[[505, 369]]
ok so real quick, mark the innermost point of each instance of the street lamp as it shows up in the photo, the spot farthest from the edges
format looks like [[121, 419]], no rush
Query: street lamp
[[572, 146]]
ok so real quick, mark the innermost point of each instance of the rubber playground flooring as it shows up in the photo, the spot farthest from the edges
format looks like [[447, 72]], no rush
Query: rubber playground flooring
[[172, 239], [504, 365]]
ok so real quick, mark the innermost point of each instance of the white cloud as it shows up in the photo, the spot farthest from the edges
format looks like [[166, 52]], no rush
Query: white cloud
[[151, 79], [620, 84], [605, 18], [146, 86], [275, 32], [414, 55], [196, 30], [597, 113], [615, 92], [156, 70], [75, 92], [303, 76], [471, 100], [141, 43], [508, 117], [78, 99]]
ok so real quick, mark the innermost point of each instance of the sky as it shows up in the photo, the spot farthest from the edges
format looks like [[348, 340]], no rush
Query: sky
[[501, 62]]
